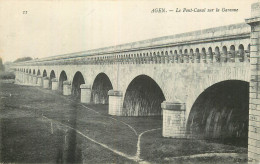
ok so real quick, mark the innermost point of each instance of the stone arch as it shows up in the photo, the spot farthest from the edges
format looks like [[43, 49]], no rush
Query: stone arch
[[197, 51], [232, 53], [203, 54], [241, 52], [210, 50], [44, 74], [62, 78], [224, 54], [78, 79], [154, 59], [221, 112], [180, 56], [191, 55], [197, 86], [30, 71], [38, 72], [100, 88], [217, 54], [176, 56], [52, 76], [33, 71], [210, 54], [143, 97]]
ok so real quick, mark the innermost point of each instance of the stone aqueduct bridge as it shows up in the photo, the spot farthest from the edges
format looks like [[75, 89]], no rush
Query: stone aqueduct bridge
[[165, 76]]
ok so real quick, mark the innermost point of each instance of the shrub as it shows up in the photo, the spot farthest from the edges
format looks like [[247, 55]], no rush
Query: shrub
[[7, 75]]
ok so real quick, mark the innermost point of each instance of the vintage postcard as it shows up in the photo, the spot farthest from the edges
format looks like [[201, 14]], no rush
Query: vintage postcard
[[118, 81]]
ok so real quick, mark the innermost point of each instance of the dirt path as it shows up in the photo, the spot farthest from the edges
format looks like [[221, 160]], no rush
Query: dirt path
[[94, 141]]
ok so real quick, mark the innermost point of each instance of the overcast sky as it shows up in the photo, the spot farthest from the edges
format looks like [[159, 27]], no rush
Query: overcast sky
[[58, 27]]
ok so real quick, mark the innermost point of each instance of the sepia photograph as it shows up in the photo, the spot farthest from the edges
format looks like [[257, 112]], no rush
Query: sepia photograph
[[120, 81]]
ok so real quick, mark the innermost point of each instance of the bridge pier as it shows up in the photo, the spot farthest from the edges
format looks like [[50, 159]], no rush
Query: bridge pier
[[254, 90], [30, 79], [23, 75], [25, 78], [174, 119], [46, 82], [67, 88], [85, 91], [39, 81], [115, 102], [34, 79], [55, 84]]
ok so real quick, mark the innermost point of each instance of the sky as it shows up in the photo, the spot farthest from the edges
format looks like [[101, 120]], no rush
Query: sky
[[64, 26]]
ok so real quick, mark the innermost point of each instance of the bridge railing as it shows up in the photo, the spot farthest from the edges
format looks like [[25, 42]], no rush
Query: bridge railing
[[216, 45], [152, 58], [235, 56]]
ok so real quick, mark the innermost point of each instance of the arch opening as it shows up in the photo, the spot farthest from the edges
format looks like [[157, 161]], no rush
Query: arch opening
[[52, 76], [221, 113], [63, 77], [100, 88], [241, 53], [44, 74], [143, 97], [38, 73], [78, 79]]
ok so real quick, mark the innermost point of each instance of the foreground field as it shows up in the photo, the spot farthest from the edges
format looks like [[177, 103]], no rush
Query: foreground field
[[40, 126]]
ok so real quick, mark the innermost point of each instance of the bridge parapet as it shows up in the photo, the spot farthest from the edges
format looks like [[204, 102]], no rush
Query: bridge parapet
[[220, 44], [164, 57]]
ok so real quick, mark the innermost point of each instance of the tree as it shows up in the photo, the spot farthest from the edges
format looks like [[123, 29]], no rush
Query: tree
[[23, 59], [1, 65]]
